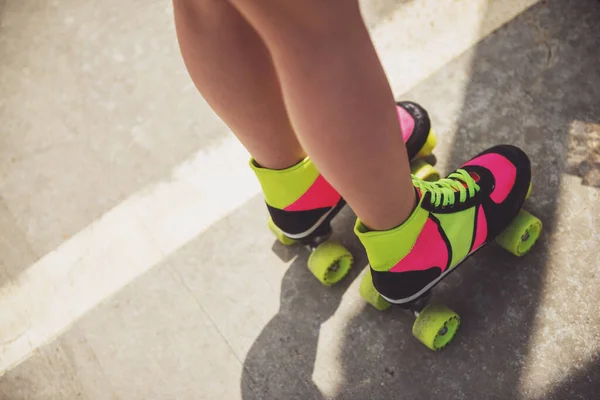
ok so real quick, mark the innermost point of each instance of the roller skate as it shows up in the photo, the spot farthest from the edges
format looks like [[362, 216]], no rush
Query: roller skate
[[302, 203], [456, 216]]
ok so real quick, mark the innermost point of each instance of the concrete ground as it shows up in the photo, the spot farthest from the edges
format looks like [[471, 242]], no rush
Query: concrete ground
[[126, 272]]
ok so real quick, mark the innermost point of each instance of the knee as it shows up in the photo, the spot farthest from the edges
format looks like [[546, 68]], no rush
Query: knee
[[201, 11], [306, 18], [208, 17]]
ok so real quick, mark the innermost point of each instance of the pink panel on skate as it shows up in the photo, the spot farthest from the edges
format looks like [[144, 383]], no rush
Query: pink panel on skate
[[505, 174], [321, 194], [480, 229], [429, 251], [406, 121]]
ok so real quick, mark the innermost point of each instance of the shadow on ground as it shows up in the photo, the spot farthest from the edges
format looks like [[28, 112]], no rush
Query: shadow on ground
[[280, 362], [532, 83]]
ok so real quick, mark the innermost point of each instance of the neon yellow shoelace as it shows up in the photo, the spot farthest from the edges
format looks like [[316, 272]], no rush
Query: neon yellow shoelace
[[443, 191]]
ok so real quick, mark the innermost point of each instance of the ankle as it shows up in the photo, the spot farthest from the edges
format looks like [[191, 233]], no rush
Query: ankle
[[395, 217], [280, 161]]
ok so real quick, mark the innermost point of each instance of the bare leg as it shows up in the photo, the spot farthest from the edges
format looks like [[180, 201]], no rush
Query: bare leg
[[234, 72], [340, 102]]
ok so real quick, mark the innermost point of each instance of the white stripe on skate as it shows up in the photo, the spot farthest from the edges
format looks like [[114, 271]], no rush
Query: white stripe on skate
[[433, 282], [311, 229]]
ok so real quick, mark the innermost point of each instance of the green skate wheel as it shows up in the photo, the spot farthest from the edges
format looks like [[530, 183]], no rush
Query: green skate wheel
[[286, 241], [429, 145], [424, 171], [435, 326], [370, 294], [522, 233], [330, 262], [529, 190]]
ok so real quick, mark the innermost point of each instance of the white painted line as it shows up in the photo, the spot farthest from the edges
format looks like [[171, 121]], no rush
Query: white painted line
[[424, 35], [120, 246]]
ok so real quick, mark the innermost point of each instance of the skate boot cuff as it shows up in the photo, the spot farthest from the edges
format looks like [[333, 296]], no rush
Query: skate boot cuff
[[386, 248], [283, 187]]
